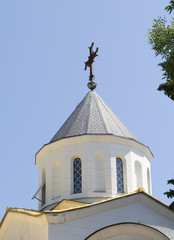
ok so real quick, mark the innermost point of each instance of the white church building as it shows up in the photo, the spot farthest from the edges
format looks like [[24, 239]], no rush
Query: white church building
[[94, 183]]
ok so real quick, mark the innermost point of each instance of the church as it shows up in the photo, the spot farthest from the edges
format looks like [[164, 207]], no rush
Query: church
[[94, 182]]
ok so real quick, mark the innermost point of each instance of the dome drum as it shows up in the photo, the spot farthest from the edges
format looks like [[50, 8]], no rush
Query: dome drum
[[84, 168]]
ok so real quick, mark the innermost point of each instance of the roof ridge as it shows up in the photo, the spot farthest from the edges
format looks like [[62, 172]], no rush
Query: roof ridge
[[111, 199], [109, 109], [88, 117], [104, 105], [82, 103], [104, 124]]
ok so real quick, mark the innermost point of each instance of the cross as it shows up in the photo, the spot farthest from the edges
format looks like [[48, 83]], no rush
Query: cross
[[89, 63]]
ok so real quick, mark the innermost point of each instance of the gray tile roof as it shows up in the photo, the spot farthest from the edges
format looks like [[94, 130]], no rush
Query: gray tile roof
[[92, 116]]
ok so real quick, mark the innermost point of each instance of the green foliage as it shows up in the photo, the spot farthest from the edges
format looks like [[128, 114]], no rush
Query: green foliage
[[161, 38], [170, 7], [170, 193]]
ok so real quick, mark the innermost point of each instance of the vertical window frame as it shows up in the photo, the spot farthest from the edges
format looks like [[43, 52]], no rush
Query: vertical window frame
[[120, 175], [77, 175], [43, 190]]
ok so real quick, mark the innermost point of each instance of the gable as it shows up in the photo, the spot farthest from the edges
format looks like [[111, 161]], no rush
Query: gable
[[138, 208]]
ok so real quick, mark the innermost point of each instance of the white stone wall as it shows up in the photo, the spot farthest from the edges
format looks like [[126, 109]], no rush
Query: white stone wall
[[132, 213], [137, 216], [98, 157], [22, 227]]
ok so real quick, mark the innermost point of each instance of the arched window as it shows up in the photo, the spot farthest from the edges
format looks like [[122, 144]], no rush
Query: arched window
[[138, 175], [148, 181], [77, 175], [56, 179], [43, 186], [119, 169]]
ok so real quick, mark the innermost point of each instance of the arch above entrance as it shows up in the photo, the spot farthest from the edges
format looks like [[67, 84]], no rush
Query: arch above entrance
[[127, 231]]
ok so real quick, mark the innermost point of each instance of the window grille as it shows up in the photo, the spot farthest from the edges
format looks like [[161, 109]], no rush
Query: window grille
[[77, 175], [119, 169]]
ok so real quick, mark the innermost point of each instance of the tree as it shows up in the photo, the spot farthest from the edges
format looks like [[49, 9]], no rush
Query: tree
[[170, 193], [161, 38]]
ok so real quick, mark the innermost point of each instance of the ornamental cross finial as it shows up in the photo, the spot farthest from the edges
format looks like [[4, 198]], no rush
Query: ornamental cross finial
[[91, 85]]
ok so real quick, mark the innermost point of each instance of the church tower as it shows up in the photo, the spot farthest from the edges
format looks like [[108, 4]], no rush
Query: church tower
[[94, 182], [92, 157]]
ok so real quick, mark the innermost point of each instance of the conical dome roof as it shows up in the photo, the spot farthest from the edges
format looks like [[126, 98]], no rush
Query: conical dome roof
[[92, 116]]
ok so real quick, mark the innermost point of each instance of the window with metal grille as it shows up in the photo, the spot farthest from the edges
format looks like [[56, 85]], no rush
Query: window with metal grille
[[77, 175], [119, 169]]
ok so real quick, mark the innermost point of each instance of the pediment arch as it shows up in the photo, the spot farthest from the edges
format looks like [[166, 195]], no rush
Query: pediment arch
[[127, 231]]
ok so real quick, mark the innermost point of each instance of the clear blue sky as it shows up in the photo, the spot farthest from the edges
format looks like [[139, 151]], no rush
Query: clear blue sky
[[43, 46]]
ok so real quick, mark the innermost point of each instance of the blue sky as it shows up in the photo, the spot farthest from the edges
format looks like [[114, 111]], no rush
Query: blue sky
[[43, 46]]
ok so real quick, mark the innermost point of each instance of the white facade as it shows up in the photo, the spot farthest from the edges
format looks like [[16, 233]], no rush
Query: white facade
[[94, 184], [133, 217], [98, 156]]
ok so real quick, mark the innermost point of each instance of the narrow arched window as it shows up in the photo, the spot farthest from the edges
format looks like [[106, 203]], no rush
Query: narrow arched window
[[148, 181], [119, 168], [138, 175], [43, 186], [77, 175], [56, 179]]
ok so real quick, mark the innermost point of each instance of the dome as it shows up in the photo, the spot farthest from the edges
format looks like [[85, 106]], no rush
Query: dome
[[92, 116]]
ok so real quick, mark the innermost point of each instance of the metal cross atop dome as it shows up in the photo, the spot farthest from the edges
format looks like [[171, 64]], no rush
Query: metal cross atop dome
[[91, 85]]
